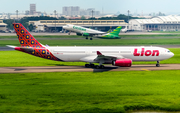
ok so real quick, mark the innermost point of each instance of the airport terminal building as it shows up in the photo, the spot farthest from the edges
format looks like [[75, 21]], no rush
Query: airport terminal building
[[160, 23], [56, 25], [2, 26]]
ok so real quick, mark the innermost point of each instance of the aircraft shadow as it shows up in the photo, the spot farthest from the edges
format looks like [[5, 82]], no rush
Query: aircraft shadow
[[150, 66], [105, 69]]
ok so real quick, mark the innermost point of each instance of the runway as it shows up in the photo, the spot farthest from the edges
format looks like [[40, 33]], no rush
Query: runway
[[58, 33], [83, 69]]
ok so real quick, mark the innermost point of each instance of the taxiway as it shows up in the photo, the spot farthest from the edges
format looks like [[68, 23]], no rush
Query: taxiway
[[83, 69]]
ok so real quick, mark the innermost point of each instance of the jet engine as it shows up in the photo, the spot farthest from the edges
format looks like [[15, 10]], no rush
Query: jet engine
[[84, 34], [122, 62]]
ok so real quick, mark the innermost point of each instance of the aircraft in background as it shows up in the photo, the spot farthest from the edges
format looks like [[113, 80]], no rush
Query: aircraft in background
[[82, 31], [117, 56], [124, 30]]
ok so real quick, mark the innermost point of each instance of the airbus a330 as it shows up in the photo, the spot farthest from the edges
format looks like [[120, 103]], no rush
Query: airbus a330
[[118, 56]]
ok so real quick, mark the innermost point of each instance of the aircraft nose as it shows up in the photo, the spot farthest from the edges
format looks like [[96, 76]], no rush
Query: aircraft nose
[[170, 55]]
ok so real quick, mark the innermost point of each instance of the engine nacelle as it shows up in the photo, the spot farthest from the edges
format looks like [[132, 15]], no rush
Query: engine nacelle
[[84, 34], [79, 34], [122, 62]]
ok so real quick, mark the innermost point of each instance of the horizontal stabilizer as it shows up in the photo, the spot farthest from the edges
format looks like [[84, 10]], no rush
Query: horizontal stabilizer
[[10, 46]]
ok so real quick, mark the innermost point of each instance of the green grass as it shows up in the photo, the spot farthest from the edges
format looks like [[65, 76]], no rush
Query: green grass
[[77, 92], [171, 34], [166, 32], [16, 58], [100, 42], [167, 39], [46, 36], [150, 35]]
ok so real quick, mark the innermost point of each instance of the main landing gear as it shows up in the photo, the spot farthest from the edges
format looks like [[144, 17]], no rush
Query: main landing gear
[[94, 66], [157, 65], [90, 38]]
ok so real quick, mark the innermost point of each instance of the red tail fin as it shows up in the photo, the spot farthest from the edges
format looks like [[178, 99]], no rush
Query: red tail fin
[[30, 45], [25, 38]]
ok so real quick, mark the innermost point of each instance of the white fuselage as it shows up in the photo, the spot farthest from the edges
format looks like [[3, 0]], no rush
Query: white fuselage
[[88, 54], [79, 29]]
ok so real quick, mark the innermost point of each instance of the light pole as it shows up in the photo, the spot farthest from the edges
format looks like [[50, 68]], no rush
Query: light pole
[[55, 20], [17, 14], [128, 19], [92, 18]]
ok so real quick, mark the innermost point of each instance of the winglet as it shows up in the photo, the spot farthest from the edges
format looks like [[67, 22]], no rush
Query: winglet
[[99, 53]]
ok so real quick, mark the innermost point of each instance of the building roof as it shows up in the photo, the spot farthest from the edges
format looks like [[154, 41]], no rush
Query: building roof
[[171, 19], [3, 24], [150, 21], [160, 20]]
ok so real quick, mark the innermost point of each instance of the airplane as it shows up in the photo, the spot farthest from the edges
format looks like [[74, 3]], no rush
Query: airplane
[[82, 31], [118, 56]]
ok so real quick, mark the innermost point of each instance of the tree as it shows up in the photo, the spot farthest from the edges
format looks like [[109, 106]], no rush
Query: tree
[[62, 18], [9, 23], [83, 18], [125, 18], [31, 27]]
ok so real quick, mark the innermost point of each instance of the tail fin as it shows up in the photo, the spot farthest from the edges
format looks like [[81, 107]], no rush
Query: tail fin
[[108, 31], [30, 45], [25, 38], [116, 31]]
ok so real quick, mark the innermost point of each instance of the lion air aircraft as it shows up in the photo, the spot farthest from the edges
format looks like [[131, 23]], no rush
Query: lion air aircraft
[[117, 56]]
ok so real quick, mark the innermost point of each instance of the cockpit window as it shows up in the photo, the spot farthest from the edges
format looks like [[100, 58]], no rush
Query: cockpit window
[[168, 51]]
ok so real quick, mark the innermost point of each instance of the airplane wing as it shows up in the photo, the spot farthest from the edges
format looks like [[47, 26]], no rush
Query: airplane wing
[[93, 33], [107, 57], [100, 56], [97, 33]]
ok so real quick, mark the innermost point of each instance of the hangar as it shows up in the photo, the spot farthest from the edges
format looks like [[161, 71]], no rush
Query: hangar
[[160, 23], [2, 26], [56, 25]]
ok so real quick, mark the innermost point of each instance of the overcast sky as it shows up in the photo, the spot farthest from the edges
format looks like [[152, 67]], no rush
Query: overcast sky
[[109, 6]]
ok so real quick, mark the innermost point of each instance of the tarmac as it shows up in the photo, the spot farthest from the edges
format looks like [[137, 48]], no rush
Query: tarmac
[[83, 69]]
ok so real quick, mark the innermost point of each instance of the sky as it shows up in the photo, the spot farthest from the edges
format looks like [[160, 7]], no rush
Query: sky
[[108, 6]]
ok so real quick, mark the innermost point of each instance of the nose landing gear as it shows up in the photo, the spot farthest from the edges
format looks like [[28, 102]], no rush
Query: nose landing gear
[[157, 65]]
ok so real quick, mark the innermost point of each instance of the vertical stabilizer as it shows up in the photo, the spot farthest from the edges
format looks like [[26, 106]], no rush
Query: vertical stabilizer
[[116, 31], [25, 38], [30, 45]]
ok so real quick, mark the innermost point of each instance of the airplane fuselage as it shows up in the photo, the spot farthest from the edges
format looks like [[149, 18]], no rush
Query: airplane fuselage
[[135, 53], [80, 29], [118, 56]]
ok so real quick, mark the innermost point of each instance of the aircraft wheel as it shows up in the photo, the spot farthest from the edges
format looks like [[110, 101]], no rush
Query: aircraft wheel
[[97, 66], [86, 38], [157, 65], [91, 65], [91, 38], [87, 65], [102, 66]]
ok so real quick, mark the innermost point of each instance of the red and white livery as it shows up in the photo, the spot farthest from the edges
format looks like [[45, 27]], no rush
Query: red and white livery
[[117, 56]]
